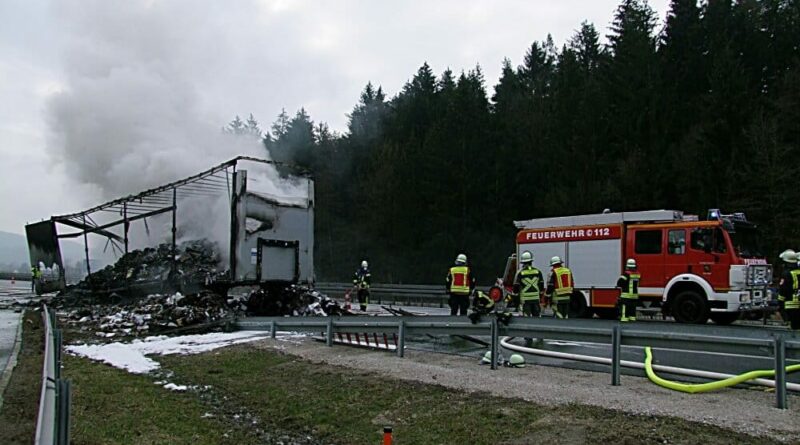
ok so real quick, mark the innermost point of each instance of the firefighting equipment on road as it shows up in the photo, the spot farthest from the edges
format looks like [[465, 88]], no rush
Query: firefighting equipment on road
[[515, 361], [694, 388], [788, 256]]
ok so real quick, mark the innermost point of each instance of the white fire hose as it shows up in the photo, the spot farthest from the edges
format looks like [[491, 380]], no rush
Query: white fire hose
[[636, 365]]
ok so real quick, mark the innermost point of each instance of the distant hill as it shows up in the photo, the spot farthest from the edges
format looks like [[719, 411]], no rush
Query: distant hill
[[14, 251]]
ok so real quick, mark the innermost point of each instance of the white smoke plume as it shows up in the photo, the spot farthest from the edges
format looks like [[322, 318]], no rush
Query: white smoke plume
[[129, 116]]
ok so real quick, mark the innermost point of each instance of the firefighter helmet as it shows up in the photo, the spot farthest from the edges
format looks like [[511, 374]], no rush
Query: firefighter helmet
[[516, 361], [461, 259], [364, 264], [555, 260], [630, 264], [526, 257], [789, 256], [487, 358]]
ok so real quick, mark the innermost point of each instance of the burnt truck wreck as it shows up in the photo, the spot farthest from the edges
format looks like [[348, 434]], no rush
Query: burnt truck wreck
[[269, 253]]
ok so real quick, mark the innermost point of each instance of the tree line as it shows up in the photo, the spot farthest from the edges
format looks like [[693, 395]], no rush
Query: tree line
[[700, 111]]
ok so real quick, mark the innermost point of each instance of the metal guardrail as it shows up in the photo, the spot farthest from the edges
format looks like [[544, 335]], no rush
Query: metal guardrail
[[52, 424], [759, 342], [420, 294]]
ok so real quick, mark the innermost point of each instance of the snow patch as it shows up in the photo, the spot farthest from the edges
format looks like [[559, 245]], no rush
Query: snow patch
[[174, 387], [133, 356]]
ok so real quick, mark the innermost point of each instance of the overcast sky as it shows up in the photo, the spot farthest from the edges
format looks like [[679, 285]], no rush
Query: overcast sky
[[102, 98]]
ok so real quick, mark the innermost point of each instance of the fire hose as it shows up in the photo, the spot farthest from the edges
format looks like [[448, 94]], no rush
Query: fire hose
[[693, 388], [752, 379]]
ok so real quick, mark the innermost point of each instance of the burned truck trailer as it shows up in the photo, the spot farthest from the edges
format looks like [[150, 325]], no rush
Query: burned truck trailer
[[272, 240], [270, 236]]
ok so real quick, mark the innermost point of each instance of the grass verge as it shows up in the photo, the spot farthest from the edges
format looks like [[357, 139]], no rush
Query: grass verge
[[351, 407], [281, 393], [21, 397]]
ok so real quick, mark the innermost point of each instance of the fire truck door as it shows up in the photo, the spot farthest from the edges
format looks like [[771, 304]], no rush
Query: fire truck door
[[648, 250], [709, 257], [675, 261]]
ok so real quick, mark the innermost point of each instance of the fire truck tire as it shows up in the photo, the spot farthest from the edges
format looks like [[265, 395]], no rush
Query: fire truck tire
[[724, 318], [578, 307], [690, 307]]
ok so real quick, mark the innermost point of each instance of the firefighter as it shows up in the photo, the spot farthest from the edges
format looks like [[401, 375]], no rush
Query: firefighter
[[628, 283], [361, 282], [560, 287], [789, 289], [35, 275], [460, 284], [528, 283], [482, 304]]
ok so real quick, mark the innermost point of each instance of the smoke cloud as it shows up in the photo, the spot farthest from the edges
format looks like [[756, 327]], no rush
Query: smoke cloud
[[129, 116]]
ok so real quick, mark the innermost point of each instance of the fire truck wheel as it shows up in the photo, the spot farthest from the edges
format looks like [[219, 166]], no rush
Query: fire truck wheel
[[690, 307], [724, 318], [577, 306]]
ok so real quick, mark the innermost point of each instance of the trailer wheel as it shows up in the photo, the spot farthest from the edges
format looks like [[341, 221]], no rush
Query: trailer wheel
[[724, 318], [578, 307], [690, 307]]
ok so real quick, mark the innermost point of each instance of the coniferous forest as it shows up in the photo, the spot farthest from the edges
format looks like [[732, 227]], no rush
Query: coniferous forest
[[695, 111]]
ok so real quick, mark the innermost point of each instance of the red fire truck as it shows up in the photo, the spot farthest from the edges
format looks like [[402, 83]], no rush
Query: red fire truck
[[694, 270]]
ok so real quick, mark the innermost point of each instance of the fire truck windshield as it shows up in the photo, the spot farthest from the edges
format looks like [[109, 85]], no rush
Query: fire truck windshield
[[746, 241]]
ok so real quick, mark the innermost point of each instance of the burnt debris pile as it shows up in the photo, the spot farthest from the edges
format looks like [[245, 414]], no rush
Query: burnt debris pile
[[144, 292], [196, 261], [152, 314]]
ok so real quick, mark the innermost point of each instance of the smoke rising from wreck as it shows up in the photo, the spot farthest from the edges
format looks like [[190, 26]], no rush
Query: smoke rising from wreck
[[129, 118]]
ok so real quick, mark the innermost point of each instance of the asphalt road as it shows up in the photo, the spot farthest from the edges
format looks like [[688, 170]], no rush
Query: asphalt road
[[9, 320]]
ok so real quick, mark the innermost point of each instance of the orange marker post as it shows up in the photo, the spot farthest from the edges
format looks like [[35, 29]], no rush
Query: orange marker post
[[387, 435]]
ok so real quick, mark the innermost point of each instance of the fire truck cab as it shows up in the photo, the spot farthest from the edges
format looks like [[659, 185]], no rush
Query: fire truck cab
[[694, 270]]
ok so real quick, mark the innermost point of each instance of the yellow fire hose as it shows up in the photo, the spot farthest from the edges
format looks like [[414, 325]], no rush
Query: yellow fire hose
[[693, 388]]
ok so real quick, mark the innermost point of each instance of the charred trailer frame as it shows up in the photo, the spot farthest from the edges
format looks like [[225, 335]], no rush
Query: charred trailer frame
[[272, 240]]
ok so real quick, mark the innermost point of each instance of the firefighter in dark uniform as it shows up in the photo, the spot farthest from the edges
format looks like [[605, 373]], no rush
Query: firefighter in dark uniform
[[560, 287], [628, 283], [361, 281], [528, 284], [460, 284], [789, 289]]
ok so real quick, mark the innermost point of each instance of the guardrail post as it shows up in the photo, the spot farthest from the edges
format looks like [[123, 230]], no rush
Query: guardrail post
[[64, 398], [273, 330], [401, 339], [329, 335], [616, 346], [495, 342], [780, 373]]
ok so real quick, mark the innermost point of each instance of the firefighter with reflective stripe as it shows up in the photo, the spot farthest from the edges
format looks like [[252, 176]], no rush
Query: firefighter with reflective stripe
[[482, 304], [460, 284], [528, 284], [560, 287], [36, 275], [361, 281], [789, 289], [628, 283]]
